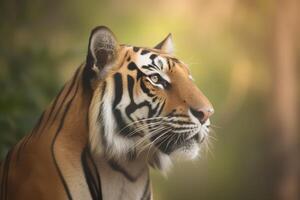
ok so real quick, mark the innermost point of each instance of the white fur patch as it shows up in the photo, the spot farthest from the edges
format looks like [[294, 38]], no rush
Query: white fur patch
[[143, 60], [186, 153], [117, 145]]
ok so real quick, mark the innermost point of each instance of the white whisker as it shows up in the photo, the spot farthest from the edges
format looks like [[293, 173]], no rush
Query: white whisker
[[139, 121]]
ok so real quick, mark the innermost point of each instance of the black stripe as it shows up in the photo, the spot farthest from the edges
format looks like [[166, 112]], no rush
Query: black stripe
[[146, 192], [118, 89], [115, 166], [65, 97], [51, 110], [150, 67], [173, 64], [57, 132], [103, 90], [139, 74], [136, 49], [144, 51], [132, 107], [93, 183], [125, 57], [22, 145], [89, 176], [165, 142], [177, 115], [175, 60], [145, 89], [88, 73], [132, 66], [100, 116], [53, 154], [170, 141], [102, 126], [97, 173], [153, 56], [169, 64], [173, 121], [161, 108], [4, 177], [55, 102], [118, 96], [153, 64], [179, 129], [122, 125], [153, 111]]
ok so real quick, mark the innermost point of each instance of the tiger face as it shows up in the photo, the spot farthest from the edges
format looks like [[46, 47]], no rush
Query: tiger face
[[144, 100]]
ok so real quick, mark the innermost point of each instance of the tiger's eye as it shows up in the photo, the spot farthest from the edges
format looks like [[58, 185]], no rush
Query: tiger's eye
[[154, 78]]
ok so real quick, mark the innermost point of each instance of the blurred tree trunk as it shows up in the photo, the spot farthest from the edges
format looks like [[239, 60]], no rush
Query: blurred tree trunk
[[284, 165]]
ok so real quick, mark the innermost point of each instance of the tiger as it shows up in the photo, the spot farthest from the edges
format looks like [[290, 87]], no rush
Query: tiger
[[126, 109]]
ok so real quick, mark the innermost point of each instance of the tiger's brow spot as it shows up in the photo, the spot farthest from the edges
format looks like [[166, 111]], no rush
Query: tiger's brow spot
[[136, 49], [132, 66], [153, 56]]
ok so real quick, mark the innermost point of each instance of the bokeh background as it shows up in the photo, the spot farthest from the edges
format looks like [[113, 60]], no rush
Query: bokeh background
[[244, 55]]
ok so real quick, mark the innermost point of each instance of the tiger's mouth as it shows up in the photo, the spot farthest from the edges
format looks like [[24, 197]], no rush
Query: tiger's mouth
[[170, 142], [167, 134], [180, 135], [187, 134]]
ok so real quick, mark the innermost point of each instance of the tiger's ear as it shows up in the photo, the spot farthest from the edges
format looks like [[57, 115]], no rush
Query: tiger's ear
[[166, 45], [103, 48]]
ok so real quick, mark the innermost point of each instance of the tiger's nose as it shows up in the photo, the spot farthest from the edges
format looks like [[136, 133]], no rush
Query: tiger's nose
[[202, 114]]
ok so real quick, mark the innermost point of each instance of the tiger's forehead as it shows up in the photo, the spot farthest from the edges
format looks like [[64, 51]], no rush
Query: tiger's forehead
[[151, 61]]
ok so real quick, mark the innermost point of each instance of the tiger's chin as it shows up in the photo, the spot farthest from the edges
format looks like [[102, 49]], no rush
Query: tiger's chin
[[189, 151]]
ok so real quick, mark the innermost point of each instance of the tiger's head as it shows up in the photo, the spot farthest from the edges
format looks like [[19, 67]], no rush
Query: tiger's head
[[144, 100]]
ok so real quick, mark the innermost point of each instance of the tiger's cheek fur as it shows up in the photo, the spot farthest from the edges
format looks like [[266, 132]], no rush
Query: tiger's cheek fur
[[104, 137]]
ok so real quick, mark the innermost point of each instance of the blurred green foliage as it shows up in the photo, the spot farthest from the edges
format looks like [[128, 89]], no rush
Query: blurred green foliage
[[23, 84], [28, 75]]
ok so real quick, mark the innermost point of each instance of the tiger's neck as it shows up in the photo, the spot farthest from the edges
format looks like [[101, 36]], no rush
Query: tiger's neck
[[126, 180], [65, 124]]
